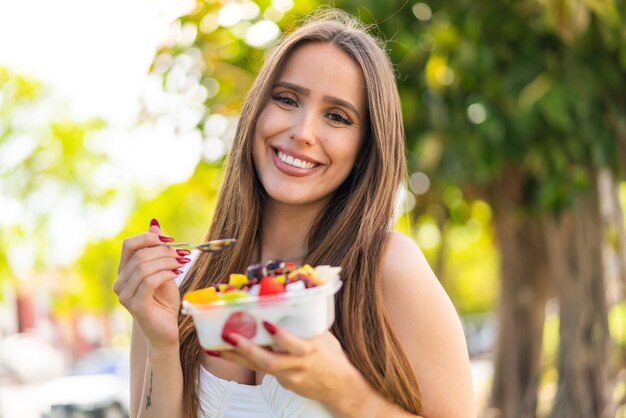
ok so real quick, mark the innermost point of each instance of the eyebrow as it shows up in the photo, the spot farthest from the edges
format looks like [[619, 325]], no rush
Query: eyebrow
[[327, 98]]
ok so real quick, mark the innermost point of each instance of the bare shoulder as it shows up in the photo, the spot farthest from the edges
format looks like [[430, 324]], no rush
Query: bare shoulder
[[429, 329], [402, 257], [406, 274]]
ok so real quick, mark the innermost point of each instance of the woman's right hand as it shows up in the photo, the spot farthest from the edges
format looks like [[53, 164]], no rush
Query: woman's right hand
[[145, 285]]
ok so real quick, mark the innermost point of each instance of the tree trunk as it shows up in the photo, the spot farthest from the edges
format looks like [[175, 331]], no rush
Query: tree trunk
[[575, 251], [525, 289], [613, 248]]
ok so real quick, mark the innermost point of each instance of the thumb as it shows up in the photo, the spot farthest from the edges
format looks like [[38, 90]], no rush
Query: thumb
[[154, 226]]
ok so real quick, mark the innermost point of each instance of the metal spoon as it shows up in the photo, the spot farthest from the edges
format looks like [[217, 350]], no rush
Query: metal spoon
[[210, 246]]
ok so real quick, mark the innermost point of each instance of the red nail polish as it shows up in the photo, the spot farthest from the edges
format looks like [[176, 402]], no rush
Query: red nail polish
[[154, 222], [165, 238], [183, 260], [213, 353], [230, 340], [177, 271], [271, 328], [183, 253]]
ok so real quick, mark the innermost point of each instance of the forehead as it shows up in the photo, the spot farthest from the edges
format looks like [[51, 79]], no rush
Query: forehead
[[326, 69]]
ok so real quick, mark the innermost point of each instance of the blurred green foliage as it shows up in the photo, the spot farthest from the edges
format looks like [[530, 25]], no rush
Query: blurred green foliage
[[488, 85], [43, 157]]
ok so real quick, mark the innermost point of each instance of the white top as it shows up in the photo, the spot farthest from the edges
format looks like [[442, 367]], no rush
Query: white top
[[221, 398]]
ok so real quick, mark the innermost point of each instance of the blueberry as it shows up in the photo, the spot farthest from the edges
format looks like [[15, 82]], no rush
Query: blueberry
[[274, 264], [256, 272]]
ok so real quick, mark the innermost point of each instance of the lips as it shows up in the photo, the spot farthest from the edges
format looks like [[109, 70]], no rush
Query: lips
[[294, 161], [293, 165]]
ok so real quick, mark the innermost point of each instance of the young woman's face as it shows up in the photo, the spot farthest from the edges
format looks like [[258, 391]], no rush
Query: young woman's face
[[309, 133]]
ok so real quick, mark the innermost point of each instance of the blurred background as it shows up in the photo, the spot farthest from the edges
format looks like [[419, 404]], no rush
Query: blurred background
[[112, 113]]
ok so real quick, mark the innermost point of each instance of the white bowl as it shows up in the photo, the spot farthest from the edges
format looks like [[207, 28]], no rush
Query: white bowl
[[306, 313]]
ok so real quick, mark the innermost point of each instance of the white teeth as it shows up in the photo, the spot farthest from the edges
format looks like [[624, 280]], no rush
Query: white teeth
[[296, 162]]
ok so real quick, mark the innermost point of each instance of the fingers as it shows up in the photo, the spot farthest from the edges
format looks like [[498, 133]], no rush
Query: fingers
[[147, 265], [144, 294], [291, 353], [248, 354], [148, 239], [155, 227], [148, 254], [137, 242], [143, 260], [235, 357], [287, 341]]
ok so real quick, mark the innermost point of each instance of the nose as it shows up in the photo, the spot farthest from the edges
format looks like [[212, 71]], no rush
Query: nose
[[304, 130]]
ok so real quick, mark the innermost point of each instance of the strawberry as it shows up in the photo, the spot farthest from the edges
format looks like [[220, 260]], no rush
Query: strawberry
[[269, 286], [241, 323]]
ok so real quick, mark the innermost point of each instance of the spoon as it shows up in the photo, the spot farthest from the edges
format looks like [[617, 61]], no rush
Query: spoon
[[209, 246]]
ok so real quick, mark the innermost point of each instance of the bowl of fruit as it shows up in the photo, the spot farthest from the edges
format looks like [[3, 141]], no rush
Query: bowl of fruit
[[299, 298]]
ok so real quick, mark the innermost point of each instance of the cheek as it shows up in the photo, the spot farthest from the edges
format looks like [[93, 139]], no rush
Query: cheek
[[269, 122], [352, 151], [260, 122], [257, 150], [259, 135]]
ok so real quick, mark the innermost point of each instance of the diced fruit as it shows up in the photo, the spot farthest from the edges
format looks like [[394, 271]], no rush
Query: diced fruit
[[233, 294], [255, 272], [238, 279], [270, 287], [271, 278], [200, 296], [288, 268], [307, 269], [274, 264], [224, 287], [241, 323]]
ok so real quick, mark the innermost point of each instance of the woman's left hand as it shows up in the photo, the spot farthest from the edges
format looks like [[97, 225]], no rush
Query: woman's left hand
[[316, 368]]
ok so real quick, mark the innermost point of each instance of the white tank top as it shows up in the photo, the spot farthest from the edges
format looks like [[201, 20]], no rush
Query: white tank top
[[221, 398]]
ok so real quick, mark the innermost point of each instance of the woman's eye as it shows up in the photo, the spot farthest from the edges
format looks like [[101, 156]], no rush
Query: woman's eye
[[284, 100], [339, 118]]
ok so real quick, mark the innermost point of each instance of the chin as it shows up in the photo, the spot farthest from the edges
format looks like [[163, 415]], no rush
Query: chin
[[293, 196]]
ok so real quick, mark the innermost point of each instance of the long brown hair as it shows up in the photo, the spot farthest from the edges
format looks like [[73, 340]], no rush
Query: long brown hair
[[351, 232]]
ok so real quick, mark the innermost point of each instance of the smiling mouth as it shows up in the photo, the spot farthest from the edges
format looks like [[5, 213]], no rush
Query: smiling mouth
[[295, 162]]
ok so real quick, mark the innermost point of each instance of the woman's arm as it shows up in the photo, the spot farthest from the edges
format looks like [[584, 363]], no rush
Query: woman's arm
[[162, 386], [138, 359], [145, 286], [429, 330], [154, 378], [360, 400]]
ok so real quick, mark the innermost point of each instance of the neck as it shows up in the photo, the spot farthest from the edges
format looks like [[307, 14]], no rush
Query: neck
[[285, 230]]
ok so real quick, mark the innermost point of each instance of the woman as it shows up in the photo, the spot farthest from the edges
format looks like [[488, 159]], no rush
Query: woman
[[311, 178]]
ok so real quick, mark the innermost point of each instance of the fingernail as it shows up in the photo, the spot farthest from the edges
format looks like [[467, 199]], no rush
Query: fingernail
[[177, 271], [213, 353], [271, 328], [165, 238], [230, 340], [154, 222], [183, 253], [183, 260]]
